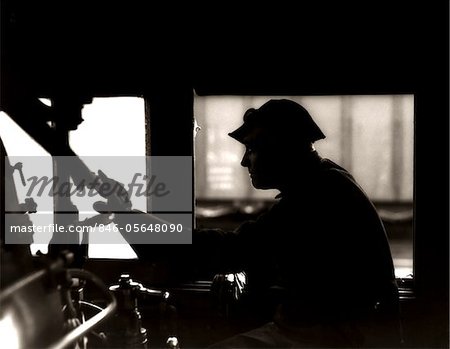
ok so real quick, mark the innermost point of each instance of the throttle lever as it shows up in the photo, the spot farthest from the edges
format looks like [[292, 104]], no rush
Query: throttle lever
[[19, 167]]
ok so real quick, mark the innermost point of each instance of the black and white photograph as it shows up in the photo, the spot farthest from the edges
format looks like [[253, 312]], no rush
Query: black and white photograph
[[184, 176]]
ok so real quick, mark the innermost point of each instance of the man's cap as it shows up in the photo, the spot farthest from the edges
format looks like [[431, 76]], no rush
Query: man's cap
[[282, 117]]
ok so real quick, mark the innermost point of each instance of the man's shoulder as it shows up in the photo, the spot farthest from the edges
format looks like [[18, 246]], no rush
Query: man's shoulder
[[337, 179], [329, 166], [335, 173]]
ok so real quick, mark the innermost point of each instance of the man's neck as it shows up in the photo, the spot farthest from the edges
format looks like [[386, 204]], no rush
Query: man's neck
[[307, 171]]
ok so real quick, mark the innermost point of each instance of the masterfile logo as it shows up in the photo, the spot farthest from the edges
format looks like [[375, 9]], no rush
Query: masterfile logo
[[143, 198]]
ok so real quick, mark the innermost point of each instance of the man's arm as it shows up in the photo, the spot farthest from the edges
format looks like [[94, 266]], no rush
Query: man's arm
[[212, 250]]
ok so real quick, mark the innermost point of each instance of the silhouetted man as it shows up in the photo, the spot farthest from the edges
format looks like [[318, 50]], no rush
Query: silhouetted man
[[319, 258]]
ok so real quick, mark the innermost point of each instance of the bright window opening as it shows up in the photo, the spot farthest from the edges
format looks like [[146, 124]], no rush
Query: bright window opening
[[111, 127]]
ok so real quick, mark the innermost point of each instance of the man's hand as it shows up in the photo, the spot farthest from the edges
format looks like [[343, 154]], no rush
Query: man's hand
[[115, 194]]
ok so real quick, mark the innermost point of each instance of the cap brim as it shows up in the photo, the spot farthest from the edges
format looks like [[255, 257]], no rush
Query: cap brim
[[240, 133]]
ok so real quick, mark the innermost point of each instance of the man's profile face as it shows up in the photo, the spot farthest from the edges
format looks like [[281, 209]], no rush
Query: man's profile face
[[261, 160]]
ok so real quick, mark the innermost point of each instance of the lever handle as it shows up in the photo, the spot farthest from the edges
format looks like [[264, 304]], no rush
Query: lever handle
[[19, 167]]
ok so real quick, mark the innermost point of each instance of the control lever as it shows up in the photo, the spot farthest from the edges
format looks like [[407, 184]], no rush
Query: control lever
[[19, 167]]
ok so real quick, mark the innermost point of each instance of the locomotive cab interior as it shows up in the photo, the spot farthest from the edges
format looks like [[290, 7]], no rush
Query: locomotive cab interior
[[57, 61]]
